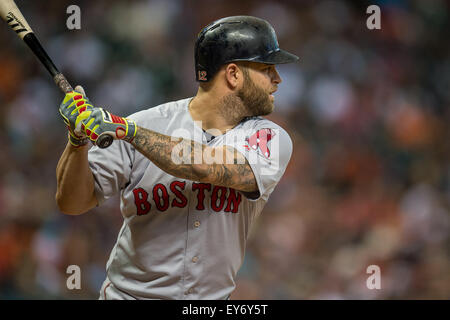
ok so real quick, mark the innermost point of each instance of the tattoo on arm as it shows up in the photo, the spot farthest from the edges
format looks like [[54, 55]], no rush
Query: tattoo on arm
[[159, 149]]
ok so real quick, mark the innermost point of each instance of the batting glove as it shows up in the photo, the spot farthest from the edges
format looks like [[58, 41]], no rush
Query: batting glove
[[74, 108], [100, 122]]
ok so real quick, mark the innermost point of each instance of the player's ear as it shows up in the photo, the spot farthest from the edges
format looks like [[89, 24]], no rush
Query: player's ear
[[233, 75]]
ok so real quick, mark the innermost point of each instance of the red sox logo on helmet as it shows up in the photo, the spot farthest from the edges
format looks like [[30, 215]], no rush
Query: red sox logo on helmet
[[259, 140]]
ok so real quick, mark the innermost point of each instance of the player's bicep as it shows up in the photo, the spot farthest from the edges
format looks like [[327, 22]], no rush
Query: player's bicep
[[231, 169]]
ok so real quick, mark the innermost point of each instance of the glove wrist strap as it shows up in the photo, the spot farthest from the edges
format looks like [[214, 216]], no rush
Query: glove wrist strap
[[131, 130], [75, 141]]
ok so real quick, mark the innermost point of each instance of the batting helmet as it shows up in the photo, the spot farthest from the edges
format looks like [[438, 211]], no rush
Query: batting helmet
[[238, 38]]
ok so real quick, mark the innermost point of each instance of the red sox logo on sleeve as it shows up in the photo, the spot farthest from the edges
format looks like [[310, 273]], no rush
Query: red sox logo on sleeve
[[259, 140]]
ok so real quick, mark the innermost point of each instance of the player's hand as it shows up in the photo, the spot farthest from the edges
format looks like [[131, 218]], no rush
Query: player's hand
[[74, 108], [101, 122]]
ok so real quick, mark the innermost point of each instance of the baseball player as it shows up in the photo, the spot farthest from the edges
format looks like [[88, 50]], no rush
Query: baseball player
[[193, 175]]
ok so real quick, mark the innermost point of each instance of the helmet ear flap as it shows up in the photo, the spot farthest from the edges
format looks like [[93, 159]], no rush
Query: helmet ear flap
[[201, 71], [207, 59], [204, 63]]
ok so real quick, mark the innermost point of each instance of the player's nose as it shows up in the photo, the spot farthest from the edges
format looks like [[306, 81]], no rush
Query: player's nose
[[276, 77]]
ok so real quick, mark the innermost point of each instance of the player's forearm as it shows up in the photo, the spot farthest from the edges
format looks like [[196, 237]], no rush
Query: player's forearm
[[75, 182], [162, 149], [158, 148]]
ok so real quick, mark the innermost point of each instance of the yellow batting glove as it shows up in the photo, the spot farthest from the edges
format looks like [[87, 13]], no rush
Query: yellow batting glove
[[74, 109]]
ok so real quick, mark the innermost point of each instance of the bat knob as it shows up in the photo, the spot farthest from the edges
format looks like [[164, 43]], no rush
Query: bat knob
[[104, 141]]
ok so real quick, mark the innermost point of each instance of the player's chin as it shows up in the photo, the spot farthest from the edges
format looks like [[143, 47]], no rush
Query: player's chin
[[271, 102], [270, 105], [267, 109]]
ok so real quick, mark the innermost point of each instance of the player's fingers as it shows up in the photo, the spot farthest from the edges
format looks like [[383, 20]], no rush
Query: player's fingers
[[80, 89], [79, 121], [88, 123]]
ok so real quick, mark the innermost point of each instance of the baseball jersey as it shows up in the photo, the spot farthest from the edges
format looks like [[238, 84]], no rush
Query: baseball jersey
[[183, 239]]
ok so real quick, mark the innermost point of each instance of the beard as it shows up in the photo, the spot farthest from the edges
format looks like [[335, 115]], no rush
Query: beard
[[249, 101], [255, 100]]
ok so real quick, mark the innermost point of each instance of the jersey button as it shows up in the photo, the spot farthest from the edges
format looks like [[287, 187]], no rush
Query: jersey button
[[197, 224], [194, 259]]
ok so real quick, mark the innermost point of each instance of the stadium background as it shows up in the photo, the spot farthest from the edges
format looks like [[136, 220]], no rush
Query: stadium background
[[368, 112]]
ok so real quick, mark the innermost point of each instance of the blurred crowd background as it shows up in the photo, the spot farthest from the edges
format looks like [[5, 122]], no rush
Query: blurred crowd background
[[368, 112]]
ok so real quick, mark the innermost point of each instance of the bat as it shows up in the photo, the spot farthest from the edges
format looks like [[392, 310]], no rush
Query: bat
[[14, 18]]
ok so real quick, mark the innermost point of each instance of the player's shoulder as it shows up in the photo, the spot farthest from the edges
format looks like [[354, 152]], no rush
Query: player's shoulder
[[168, 110], [257, 123]]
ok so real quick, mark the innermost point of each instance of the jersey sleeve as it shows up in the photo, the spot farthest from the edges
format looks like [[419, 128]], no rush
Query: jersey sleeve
[[111, 168], [268, 149]]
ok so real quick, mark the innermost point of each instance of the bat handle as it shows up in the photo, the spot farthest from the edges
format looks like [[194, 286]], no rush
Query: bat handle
[[62, 83], [104, 141]]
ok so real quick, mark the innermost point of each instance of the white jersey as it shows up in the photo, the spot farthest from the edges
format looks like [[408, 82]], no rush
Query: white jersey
[[183, 239]]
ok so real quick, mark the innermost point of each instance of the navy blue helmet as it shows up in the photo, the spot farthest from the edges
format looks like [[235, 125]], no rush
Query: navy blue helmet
[[238, 38]]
